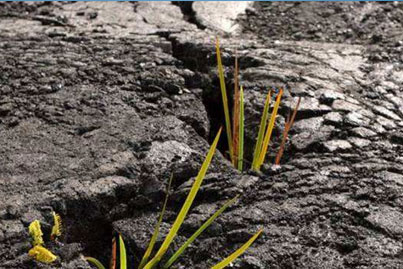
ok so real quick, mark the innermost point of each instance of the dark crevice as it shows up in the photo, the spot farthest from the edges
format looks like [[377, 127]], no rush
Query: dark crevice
[[188, 13]]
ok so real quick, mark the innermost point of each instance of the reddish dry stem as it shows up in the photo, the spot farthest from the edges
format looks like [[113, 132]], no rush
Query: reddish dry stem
[[235, 114], [113, 258], [287, 128]]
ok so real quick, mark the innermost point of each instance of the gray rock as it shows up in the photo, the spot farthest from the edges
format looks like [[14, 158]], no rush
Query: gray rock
[[386, 112], [386, 123], [303, 141], [225, 19], [363, 132], [356, 119], [387, 218], [308, 125], [328, 96], [337, 145], [359, 142], [341, 105], [308, 105], [333, 118]]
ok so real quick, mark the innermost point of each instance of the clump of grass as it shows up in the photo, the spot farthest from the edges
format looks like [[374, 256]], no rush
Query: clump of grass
[[235, 136], [148, 264]]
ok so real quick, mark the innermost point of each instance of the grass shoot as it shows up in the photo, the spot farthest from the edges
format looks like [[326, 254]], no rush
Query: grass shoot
[[287, 127], [198, 232], [241, 130], [186, 206], [95, 262], [235, 136], [113, 257], [154, 237], [269, 131], [262, 128], [224, 100], [122, 253], [236, 111], [237, 253]]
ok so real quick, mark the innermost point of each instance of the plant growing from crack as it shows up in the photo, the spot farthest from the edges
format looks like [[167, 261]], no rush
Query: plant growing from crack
[[38, 250], [235, 135], [146, 261]]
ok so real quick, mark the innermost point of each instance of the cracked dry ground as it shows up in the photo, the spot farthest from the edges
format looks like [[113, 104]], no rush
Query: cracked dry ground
[[100, 102]]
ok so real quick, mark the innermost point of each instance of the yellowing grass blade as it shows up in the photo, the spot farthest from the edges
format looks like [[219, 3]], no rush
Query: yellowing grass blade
[[198, 232], [269, 130], [235, 118], [122, 252], [186, 206], [95, 262], [262, 128], [224, 100], [237, 253], [241, 130], [154, 237]]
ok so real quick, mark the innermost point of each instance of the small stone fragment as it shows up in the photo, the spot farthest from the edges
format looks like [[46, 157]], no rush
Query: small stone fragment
[[363, 132], [356, 119], [333, 118], [341, 105], [337, 145]]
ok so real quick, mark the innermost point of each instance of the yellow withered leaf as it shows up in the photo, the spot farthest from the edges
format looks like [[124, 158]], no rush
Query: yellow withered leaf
[[42, 254], [36, 233], [57, 226]]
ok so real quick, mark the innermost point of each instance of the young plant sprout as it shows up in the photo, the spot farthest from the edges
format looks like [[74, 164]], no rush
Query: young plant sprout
[[38, 251], [288, 125], [147, 263], [235, 136]]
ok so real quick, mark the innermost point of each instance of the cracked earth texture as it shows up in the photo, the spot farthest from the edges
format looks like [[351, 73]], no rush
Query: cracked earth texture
[[101, 101]]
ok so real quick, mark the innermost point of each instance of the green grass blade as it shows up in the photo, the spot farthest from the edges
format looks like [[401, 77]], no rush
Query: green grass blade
[[241, 130], [186, 205], [95, 262], [122, 253], [154, 237], [224, 100], [262, 128], [269, 130], [235, 111], [237, 253], [198, 232]]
